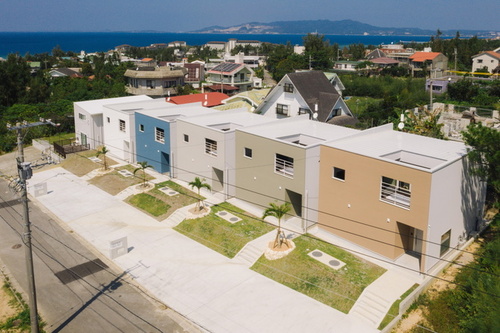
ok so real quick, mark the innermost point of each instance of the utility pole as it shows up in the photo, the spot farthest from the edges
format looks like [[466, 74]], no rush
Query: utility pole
[[25, 172]]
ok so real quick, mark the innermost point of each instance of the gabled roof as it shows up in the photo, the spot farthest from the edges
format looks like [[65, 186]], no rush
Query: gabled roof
[[65, 72], [423, 56], [315, 88], [207, 99], [384, 60], [493, 54], [377, 53]]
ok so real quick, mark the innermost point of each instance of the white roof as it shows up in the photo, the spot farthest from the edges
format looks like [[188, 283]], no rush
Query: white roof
[[407, 149], [229, 120], [301, 130], [171, 112], [95, 106]]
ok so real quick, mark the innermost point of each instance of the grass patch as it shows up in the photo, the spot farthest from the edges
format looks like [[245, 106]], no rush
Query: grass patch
[[394, 310], [221, 236], [113, 182], [149, 203], [59, 137], [80, 165], [336, 288]]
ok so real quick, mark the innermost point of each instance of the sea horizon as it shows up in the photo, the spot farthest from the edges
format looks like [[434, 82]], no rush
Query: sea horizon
[[43, 42]]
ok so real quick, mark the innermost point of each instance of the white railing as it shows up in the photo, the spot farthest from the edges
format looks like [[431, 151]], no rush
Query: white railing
[[211, 148], [395, 195], [284, 167]]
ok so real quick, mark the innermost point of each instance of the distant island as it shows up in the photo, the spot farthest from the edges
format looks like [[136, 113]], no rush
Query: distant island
[[327, 27]]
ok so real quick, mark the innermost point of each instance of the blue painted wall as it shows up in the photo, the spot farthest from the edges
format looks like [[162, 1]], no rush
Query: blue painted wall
[[147, 148]]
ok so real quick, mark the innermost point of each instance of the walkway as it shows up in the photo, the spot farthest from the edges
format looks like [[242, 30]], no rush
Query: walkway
[[214, 291]]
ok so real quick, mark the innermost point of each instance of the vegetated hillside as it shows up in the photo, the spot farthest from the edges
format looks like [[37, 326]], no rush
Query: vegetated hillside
[[342, 27]]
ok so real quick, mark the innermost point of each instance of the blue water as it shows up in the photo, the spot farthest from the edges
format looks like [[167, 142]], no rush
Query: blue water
[[41, 42]]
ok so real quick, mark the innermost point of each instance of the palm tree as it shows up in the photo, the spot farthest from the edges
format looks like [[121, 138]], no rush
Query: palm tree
[[103, 151], [143, 166], [199, 184], [278, 211]]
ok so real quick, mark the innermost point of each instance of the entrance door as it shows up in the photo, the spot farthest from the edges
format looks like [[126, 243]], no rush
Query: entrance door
[[411, 239], [218, 180], [296, 200], [165, 162], [83, 139]]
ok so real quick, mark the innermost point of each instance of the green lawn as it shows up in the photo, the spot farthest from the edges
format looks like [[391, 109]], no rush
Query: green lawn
[[336, 288], [59, 137], [394, 310], [222, 236], [150, 204]]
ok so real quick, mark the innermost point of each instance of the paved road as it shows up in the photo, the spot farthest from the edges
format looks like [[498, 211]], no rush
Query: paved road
[[78, 290]]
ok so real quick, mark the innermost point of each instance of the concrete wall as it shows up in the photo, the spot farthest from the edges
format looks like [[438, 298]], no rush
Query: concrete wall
[[192, 161], [157, 154], [91, 126], [120, 144], [256, 179], [352, 208]]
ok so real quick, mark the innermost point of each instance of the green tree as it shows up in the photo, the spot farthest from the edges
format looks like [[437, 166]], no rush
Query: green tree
[[14, 79], [103, 151], [143, 166], [484, 152], [424, 123], [278, 211], [199, 183], [318, 51]]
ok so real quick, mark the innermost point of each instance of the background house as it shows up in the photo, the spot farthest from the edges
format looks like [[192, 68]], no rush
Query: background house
[[238, 76], [308, 92], [489, 60], [154, 81], [435, 63]]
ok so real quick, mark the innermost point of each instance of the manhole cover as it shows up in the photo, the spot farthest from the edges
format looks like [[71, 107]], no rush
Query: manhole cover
[[334, 263], [317, 254], [16, 246], [234, 219], [172, 192], [222, 213], [164, 189]]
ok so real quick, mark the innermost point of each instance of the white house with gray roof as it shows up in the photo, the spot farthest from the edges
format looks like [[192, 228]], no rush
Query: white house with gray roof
[[308, 92]]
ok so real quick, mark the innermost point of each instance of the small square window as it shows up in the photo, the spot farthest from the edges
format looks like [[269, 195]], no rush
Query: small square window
[[338, 173], [122, 125], [141, 127], [186, 138], [248, 152], [288, 87], [82, 116], [109, 120]]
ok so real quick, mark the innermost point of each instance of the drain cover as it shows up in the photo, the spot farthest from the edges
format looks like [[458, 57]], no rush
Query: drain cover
[[222, 213], [317, 254], [234, 219], [16, 246], [334, 262]]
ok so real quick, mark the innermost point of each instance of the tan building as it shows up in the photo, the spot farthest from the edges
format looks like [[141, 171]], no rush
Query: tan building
[[396, 193], [154, 81]]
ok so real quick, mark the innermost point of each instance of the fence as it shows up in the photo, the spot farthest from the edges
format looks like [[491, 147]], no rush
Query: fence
[[66, 147]]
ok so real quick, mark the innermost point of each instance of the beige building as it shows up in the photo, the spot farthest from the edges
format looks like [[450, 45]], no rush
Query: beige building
[[154, 81], [396, 193]]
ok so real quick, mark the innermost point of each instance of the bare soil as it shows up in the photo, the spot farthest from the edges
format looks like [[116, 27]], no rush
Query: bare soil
[[80, 165], [416, 316], [8, 306]]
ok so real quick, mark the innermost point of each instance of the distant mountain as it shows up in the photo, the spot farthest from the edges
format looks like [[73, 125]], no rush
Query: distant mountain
[[327, 27]]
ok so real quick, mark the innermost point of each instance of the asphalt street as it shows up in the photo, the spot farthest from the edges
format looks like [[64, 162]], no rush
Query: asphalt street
[[78, 290]]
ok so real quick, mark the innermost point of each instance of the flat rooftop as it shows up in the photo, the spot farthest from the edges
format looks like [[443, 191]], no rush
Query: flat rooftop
[[407, 149], [95, 106]]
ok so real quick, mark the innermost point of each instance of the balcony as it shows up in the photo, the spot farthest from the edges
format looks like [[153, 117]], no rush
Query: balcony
[[284, 165], [395, 195], [158, 91]]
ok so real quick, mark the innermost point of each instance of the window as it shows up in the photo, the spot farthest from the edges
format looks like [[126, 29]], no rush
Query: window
[[288, 87], [150, 84], [479, 61], [283, 165], [211, 147], [248, 152], [186, 138], [141, 127], [282, 109], [395, 192], [122, 125], [445, 243], [159, 135], [338, 173], [109, 120], [82, 116], [303, 111]]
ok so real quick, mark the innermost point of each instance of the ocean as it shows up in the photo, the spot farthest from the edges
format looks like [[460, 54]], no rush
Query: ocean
[[42, 42]]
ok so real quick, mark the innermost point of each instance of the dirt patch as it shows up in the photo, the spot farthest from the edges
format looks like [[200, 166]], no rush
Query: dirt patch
[[9, 306], [80, 164], [415, 317]]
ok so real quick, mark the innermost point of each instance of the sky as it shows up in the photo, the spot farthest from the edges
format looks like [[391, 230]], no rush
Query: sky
[[184, 16]]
